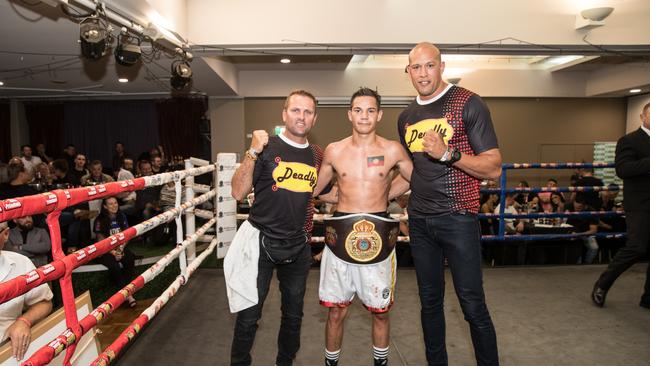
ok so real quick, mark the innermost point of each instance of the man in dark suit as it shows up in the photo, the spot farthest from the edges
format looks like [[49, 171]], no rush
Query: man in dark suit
[[633, 166]]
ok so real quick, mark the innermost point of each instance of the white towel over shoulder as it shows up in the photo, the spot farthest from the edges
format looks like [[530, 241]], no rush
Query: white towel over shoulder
[[240, 268]]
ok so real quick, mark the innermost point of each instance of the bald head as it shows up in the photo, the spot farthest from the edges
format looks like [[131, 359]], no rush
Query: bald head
[[425, 48]]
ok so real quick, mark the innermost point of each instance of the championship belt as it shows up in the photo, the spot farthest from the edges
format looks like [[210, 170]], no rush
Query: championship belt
[[361, 238]]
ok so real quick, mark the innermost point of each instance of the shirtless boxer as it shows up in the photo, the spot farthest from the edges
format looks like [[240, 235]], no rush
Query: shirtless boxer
[[359, 258]]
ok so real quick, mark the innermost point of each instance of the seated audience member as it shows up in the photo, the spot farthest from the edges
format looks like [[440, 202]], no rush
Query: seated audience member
[[42, 154], [488, 202], [118, 157], [78, 170], [512, 226], [147, 200], [168, 196], [96, 175], [69, 154], [524, 198], [18, 179], [29, 161], [126, 199], [587, 179], [19, 314], [32, 242], [587, 226], [42, 176], [60, 178], [608, 198], [157, 165], [119, 261]]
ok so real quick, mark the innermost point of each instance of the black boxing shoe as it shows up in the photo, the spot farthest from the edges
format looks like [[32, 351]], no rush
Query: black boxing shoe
[[645, 302], [329, 362], [598, 295], [381, 361]]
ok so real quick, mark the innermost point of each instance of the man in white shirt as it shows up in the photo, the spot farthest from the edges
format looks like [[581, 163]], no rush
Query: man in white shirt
[[14, 323], [29, 161]]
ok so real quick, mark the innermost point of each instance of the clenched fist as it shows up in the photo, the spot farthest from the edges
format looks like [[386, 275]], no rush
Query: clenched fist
[[260, 139], [433, 144]]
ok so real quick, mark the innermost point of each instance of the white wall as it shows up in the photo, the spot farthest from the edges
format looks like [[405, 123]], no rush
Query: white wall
[[634, 107]]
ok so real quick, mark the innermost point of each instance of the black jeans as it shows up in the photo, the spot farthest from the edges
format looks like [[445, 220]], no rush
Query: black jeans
[[293, 281], [636, 247], [456, 237]]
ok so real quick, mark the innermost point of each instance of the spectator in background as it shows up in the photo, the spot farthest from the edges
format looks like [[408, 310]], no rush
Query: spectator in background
[[42, 154], [18, 315], [78, 170], [119, 261], [557, 200], [524, 198], [586, 226], [42, 176], [118, 157], [61, 178], [126, 170], [146, 202], [127, 199], [608, 198], [587, 179], [96, 175], [29, 161], [157, 165], [69, 154], [512, 226], [18, 179], [32, 242], [488, 203]]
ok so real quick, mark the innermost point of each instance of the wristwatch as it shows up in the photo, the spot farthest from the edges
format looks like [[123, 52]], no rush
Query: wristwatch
[[455, 156], [251, 153]]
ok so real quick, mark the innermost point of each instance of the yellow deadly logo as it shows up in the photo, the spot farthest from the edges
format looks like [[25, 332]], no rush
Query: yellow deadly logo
[[415, 133], [296, 177]]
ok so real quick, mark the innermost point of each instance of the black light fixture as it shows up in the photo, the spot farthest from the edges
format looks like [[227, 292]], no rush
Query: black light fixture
[[94, 37], [181, 74], [127, 53]]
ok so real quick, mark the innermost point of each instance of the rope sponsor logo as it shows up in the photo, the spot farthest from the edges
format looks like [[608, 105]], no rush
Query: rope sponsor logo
[[12, 204], [101, 188], [56, 345], [91, 249], [295, 177], [80, 255], [32, 276], [50, 198], [67, 194], [69, 337], [415, 133], [47, 269], [98, 315], [92, 191]]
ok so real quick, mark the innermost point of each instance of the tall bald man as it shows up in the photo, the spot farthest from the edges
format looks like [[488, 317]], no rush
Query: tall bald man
[[449, 134]]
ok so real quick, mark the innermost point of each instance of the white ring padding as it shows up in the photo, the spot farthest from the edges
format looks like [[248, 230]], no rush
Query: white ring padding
[[162, 178], [201, 188], [345, 217]]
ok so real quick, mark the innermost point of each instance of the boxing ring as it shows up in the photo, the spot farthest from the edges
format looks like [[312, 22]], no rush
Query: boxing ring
[[52, 203], [222, 219]]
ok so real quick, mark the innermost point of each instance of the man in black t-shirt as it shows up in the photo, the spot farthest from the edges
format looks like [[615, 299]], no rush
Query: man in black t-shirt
[[283, 171], [448, 132], [587, 179]]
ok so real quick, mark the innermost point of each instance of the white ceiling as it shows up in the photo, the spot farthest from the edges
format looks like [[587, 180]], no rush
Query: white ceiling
[[40, 57]]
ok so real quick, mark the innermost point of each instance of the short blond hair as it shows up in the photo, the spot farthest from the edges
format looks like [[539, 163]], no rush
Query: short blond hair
[[303, 93]]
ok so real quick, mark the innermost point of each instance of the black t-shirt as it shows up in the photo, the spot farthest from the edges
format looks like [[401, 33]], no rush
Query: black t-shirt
[[590, 198], [465, 122], [284, 179]]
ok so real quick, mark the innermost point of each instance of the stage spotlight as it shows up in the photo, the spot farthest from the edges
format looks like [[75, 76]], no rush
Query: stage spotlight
[[94, 37], [181, 74], [127, 54]]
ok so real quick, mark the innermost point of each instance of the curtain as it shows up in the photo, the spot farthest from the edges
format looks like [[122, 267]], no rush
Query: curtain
[[94, 127], [45, 121], [179, 126], [5, 132]]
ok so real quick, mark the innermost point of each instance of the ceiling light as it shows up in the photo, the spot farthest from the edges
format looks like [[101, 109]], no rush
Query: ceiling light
[[127, 54], [94, 37], [285, 60], [635, 90], [181, 74], [123, 80], [592, 18], [2, 83]]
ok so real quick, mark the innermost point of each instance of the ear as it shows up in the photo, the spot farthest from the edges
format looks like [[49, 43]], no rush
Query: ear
[[442, 67], [380, 113], [284, 115], [350, 115], [315, 118]]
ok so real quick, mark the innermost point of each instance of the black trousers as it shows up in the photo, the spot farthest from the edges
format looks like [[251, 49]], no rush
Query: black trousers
[[637, 246], [293, 283], [121, 272]]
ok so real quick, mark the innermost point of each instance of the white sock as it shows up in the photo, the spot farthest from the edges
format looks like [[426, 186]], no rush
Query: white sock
[[332, 355], [379, 353]]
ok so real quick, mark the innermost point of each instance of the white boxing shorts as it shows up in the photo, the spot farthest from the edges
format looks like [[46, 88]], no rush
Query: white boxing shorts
[[340, 281]]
